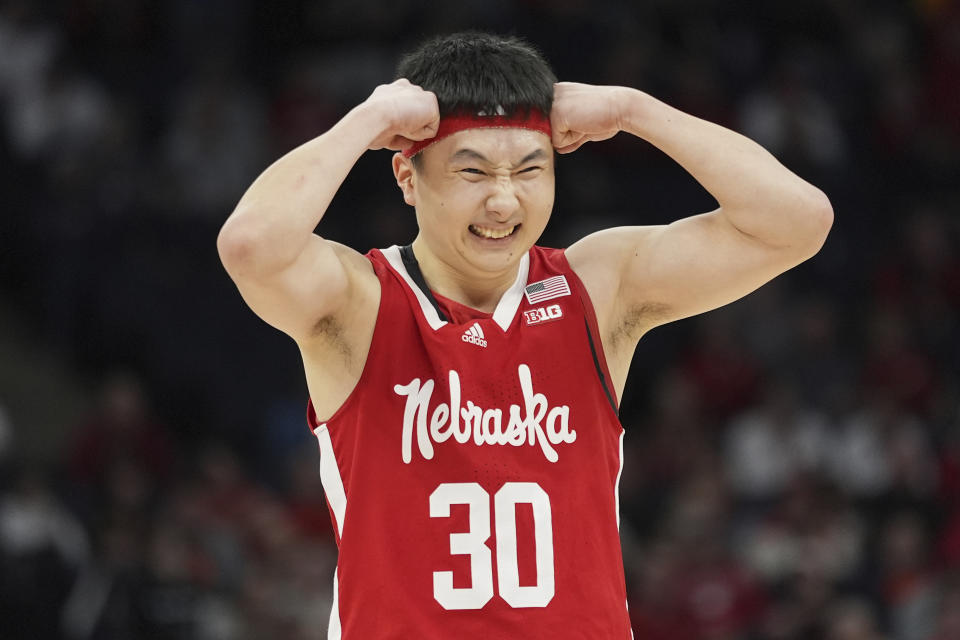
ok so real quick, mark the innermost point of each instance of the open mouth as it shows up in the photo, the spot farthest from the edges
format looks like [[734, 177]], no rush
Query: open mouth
[[493, 234]]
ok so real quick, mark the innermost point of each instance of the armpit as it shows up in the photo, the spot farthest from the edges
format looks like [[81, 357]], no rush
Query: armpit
[[330, 331], [636, 321]]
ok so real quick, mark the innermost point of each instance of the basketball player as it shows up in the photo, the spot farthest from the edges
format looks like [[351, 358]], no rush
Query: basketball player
[[464, 387]]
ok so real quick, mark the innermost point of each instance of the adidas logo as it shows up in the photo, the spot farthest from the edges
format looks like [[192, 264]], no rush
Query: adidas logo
[[474, 335]]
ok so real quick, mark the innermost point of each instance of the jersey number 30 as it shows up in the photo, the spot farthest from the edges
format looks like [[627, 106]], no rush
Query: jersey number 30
[[474, 544]]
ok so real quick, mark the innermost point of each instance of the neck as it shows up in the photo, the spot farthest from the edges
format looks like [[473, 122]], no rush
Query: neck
[[477, 289]]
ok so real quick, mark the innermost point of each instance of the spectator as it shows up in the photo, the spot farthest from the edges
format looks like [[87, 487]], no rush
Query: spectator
[[724, 375], [121, 436], [770, 444], [42, 547], [883, 448], [812, 531], [654, 610], [948, 610], [852, 619], [116, 164], [909, 581]]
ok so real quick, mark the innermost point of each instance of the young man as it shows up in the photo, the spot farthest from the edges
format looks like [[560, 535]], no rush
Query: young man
[[464, 388]]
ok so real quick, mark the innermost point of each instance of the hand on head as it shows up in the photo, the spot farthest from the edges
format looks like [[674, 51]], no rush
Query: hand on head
[[583, 113], [409, 113]]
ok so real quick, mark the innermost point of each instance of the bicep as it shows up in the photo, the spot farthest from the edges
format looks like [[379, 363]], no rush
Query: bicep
[[647, 276], [314, 286], [697, 264]]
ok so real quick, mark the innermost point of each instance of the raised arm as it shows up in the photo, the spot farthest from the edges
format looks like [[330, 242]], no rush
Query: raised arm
[[289, 276], [768, 221]]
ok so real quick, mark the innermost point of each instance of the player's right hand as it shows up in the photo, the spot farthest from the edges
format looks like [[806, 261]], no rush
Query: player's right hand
[[409, 113]]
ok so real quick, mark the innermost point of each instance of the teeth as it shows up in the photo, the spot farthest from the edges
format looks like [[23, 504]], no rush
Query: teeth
[[494, 234]]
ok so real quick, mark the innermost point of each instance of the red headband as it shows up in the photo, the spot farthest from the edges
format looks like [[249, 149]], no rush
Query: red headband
[[535, 121]]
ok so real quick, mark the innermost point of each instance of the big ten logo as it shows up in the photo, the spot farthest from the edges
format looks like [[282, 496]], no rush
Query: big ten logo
[[543, 314]]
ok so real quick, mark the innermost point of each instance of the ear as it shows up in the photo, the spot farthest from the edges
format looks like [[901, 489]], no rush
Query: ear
[[404, 173]]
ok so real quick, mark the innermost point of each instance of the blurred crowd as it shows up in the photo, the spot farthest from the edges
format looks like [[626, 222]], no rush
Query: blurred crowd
[[792, 461]]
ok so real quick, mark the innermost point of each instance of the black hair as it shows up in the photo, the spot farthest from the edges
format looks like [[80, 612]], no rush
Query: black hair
[[474, 72]]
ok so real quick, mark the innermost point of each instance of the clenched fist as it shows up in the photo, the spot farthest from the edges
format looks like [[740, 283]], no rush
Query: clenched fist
[[583, 113], [408, 113]]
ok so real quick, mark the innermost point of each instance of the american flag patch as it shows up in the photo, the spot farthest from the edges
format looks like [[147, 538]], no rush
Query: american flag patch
[[547, 289]]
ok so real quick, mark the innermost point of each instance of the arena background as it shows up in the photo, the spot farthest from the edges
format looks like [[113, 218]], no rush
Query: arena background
[[792, 461]]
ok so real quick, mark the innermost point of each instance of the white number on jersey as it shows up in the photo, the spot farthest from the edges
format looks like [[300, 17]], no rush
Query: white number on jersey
[[473, 543]]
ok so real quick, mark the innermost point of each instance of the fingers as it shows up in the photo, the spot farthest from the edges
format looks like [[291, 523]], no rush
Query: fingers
[[402, 142], [570, 148], [399, 143], [571, 141], [567, 141], [429, 131], [425, 132]]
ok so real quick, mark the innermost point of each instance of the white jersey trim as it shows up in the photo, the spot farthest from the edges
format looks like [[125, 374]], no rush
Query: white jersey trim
[[506, 309], [616, 497], [330, 476], [616, 487], [333, 629], [337, 497]]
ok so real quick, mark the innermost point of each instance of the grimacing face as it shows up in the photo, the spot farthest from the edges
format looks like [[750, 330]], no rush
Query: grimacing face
[[482, 197]]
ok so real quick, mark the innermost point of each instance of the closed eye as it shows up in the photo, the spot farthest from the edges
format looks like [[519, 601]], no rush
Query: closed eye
[[473, 171], [529, 169]]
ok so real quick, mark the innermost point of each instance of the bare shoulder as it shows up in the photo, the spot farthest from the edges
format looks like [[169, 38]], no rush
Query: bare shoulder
[[353, 260], [601, 261]]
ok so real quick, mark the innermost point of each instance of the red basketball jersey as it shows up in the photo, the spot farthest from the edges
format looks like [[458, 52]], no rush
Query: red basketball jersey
[[472, 473]]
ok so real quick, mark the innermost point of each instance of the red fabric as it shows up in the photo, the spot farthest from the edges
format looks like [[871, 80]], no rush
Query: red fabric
[[904, 376], [949, 476], [535, 121], [391, 547], [310, 519], [101, 443], [720, 600], [652, 624], [948, 545], [725, 378]]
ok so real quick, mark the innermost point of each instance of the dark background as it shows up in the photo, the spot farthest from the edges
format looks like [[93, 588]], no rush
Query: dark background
[[792, 461]]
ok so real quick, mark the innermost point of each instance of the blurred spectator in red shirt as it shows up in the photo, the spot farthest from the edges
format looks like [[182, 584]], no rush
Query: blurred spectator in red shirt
[[653, 605], [122, 438], [909, 581], [948, 610], [306, 505], [718, 595], [723, 373]]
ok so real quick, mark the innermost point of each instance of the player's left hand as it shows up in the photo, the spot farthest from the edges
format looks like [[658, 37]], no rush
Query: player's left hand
[[583, 113]]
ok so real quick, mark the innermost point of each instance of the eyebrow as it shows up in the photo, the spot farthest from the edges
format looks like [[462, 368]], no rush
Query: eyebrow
[[470, 154]]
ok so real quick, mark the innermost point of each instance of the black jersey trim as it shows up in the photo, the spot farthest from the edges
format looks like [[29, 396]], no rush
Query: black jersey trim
[[413, 269], [596, 363]]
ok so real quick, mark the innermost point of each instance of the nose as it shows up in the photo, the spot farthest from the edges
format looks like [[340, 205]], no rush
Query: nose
[[502, 201]]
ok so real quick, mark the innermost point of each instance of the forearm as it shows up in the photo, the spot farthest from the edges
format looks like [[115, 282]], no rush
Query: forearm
[[756, 193], [275, 218]]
